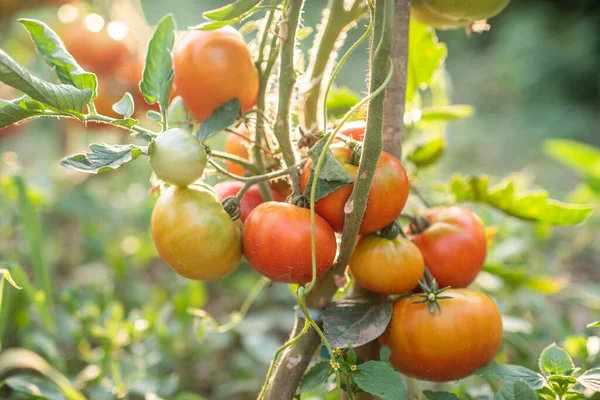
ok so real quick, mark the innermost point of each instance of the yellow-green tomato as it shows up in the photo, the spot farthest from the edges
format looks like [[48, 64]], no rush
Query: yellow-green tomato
[[452, 14], [387, 266], [177, 157], [194, 234]]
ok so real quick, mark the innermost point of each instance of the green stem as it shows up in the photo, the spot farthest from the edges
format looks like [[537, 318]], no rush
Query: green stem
[[287, 81], [109, 120], [238, 160]]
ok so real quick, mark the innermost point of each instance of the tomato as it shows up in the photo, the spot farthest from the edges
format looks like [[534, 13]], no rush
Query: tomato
[[280, 189], [354, 129], [213, 67], [386, 266], [444, 346], [238, 146], [194, 235], [389, 192], [445, 14], [177, 157], [454, 245], [277, 242], [249, 201]]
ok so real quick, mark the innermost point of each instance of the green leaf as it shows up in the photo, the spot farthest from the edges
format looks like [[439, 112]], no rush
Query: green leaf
[[35, 387], [212, 25], [594, 325], [332, 175], [562, 380], [447, 113], [521, 276], [178, 116], [351, 355], [518, 390], [429, 395], [379, 379], [317, 375], [385, 353], [428, 153], [340, 100], [124, 106], [23, 108], [511, 374], [531, 205], [104, 157], [7, 277], [354, 322], [157, 80], [65, 98], [582, 158], [153, 115], [231, 11], [128, 123], [54, 53], [425, 56], [221, 118], [555, 361], [590, 379]]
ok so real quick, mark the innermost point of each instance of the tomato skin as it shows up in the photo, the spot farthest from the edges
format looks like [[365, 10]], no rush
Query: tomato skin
[[454, 246], [444, 14], [194, 234], [213, 67], [177, 157], [386, 266], [249, 201], [354, 129], [444, 346], [238, 146], [387, 197], [276, 241]]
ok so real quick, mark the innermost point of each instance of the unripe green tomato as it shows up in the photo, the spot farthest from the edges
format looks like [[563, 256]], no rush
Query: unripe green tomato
[[177, 157], [452, 14]]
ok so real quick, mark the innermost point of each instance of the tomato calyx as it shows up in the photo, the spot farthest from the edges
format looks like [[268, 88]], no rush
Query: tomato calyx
[[431, 296], [232, 206], [356, 148], [419, 224], [300, 201], [392, 231]]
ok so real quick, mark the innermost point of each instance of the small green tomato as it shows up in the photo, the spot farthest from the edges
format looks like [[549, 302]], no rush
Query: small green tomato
[[177, 157]]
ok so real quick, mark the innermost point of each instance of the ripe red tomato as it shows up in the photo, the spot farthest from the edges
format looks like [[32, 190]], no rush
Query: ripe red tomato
[[444, 14], [213, 67], [454, 245], [277, 242], [194, 235], [354, 129], [389, 192], [387, 266], [444, 346], [238, 146], [249, 201]]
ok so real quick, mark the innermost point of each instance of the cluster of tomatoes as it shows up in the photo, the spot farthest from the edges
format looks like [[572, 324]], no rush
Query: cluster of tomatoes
[[195, 234]]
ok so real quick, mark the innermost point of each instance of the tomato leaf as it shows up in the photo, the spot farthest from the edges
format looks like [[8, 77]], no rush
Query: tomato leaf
[[425, 56], [517, 390], [429, 395], [531, 205], [231, 11], [385, 353], [317, 375], [447, 113], [590, 379], [340, 100], [594, 325], [65, 98], [332, 175], [128, 123], [153, 115], [580, 157], [522, 276], [104, 157], [178, 116], [220, 119], [555, 361], [12, 111], [35, 387], [354, 322], [428, 153], [379, 379], [124, 106], [157, 80], [511, 374]]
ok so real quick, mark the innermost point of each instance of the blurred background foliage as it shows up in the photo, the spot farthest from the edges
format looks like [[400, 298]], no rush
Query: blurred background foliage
[[120, 325]]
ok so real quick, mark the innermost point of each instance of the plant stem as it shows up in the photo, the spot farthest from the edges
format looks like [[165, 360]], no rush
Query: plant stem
[[287, 81], [108, 120]]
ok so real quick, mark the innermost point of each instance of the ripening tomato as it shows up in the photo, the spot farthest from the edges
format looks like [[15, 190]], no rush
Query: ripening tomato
[[249, 201], [177, 157], [280, 189], [386, 266], [454, 245], [277, 242], [238, 146], [213, 67], [354, 129], [389, 192], [194, 234], [445, 14], [448, 345]]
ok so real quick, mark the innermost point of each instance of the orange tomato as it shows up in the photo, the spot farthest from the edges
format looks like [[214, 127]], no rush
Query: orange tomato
[[238, 146], [213, 67], [354, 129]]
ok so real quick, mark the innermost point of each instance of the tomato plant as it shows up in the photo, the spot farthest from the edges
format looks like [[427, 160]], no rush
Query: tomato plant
[[445, 14], [249, 201], [289, 226]]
